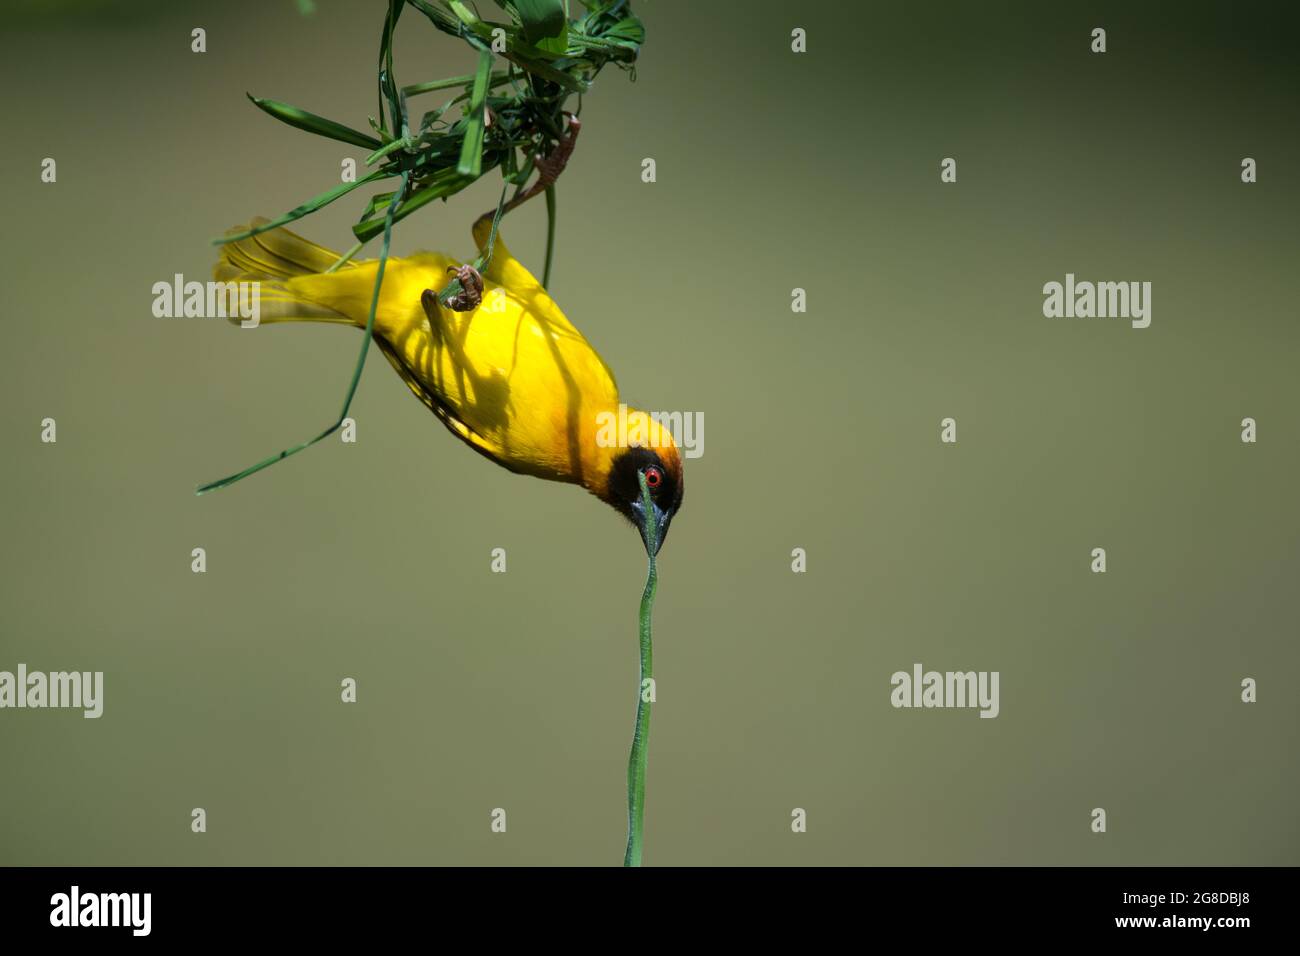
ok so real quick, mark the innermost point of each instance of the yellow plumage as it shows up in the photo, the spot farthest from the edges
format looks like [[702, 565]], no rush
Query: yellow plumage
[[513, 378]]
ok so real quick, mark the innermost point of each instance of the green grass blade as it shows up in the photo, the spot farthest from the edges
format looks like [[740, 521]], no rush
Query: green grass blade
[[471, 150], [568, 82], [446, 183], [310, 206], [439, 17], [550, 236], [387, 87], [637, 760], [344, 259], [415, 89], [465, 14], [356, 374], [310, 122], [556, 43], [539, 18], [387, 148]]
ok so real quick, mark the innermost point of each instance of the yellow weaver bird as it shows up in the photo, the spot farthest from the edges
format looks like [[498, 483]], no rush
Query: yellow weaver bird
[[510, 376]]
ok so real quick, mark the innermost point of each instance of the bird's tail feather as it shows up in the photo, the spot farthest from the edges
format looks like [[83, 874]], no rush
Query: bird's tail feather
[[293, 285]]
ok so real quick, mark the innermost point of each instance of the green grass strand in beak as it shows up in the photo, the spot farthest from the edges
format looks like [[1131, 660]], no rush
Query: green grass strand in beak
[[636, 765]]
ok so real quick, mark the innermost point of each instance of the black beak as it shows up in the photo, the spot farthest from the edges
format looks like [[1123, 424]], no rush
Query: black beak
[[661, 520]]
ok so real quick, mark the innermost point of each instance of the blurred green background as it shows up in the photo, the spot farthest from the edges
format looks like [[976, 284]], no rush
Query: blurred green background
[[775, 171]]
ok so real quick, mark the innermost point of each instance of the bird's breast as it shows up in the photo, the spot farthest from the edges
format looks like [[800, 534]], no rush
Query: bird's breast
[[513, 378]]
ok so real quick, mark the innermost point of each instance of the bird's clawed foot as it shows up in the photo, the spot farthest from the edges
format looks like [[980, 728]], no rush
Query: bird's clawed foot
[[550, 166], [467, 299]]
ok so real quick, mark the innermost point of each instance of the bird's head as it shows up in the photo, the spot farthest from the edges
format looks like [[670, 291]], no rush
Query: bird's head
[[648, 449]]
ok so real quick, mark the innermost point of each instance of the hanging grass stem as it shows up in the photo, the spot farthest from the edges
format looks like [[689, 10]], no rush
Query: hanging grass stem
[[637, 760]]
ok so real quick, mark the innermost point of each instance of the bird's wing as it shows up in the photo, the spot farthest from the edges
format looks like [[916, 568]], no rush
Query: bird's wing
[[513, 378], [508, 272], [446, 411]]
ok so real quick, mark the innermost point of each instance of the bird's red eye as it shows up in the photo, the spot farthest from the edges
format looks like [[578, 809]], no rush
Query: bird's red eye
[[653, 477]]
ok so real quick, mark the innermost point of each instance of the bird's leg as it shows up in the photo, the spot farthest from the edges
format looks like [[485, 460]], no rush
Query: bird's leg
[[466, 300], [549, 168], [551, 165]]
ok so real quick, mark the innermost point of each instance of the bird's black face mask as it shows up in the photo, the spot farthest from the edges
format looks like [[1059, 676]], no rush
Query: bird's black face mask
[[666, 489]]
